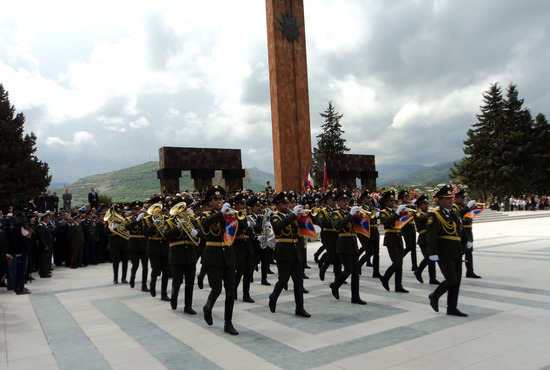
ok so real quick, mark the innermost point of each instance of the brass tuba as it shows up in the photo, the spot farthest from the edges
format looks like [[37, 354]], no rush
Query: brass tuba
[[183, 219], [311, 212], [154, 210], [112, 217]]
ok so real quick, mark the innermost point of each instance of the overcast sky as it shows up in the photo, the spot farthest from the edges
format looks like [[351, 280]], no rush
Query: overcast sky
[[104, 85]]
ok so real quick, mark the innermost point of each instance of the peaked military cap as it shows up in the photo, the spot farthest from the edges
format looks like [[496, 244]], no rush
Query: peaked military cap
[[282, 197], [445, 192], [422, 199], [240, 198], [342, 194], [388, 195], [215, 191], [402, 194], [461, 193], [365, 194]]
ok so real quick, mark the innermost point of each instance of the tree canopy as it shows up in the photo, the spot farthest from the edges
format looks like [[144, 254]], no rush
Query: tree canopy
[[505, 150], [330, 140], [22, 174]]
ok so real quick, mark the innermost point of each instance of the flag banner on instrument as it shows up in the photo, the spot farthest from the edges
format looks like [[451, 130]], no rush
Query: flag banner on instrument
[[473, 213], [403, 220], [230, 230], [361, 225], [305, 227]]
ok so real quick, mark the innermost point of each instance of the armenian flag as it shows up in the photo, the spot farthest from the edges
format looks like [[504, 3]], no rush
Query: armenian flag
[[403, 220], [473, 213], [230, 229], [361, 225], [305, 227]]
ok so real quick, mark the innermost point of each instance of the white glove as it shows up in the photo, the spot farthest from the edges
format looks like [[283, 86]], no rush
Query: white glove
[[114, 226], [194, 233], [260, 238], [434, 257], [157, 220], [469, 245], [471, 204], [24, 232], [378, 214], [249, 223], [401, 208], [354, 210], [414, 201], [297, 209], [140, 216], [269, 212], [225, 207], [267, 223]]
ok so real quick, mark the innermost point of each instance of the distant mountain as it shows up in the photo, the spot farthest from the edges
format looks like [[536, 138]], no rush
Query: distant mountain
[[414, 174], [140, 182]]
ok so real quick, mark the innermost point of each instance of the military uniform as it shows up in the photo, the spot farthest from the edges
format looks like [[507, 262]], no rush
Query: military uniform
[[219, 260], [394, 244], [242, 247], [467, 238], [371, 245], [137, 248], [157, 252], [408, 233], [420, 219], [329, 237], [288, 256], [183, 261], [118, 250], [443, 240], [75, 237], [346, 247]]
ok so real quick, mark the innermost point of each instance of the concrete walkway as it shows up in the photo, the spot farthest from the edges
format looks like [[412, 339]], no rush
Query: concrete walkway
[[80, 320]]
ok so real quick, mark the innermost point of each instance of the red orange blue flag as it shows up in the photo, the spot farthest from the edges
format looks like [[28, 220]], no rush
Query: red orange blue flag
[[230, 229], [473, 213], [361, 225], [305, 227], [403, 220]]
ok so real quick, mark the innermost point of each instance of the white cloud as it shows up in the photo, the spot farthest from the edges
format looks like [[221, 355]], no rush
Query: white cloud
[[81, 140]]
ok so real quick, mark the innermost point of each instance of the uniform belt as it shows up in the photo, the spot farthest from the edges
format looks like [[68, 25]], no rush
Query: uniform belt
[[346, 234], [215, 244], [155, 238], [137, 236], [392, 231], [449, 237], [330, 230], [286, 240], [258, 234], [242, 237], [467, 226], [181, 242], [421, 231]]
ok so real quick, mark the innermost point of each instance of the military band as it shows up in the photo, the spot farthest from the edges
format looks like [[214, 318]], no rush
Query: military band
[[173, 239]]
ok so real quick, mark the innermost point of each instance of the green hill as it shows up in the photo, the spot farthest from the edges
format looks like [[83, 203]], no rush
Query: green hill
[[140, 182]]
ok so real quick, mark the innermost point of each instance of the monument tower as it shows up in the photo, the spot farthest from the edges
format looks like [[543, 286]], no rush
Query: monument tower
[[286, 40]]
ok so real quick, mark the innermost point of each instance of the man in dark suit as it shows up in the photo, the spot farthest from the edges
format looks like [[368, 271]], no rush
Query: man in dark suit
[[346, 246], [443, 239], [287, 253], [218, 257], [45, 244], [93, 199], [467, 236], [243, 250]]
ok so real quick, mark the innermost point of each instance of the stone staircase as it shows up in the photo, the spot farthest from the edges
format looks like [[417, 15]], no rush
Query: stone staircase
[[489, 215]]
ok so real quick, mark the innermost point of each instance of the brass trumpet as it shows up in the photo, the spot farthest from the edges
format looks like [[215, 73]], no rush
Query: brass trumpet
[[366, 213], [232, 212], [311, 212], [114, 218]]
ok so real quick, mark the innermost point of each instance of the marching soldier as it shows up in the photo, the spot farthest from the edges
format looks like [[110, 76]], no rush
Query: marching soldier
[[408, 232], [157, 252], [393, 242], [181, 233], [204, 207], [443, 239], [243, 250], [467, 238], [371, 245], [346, 246], [260, 254], [137, 245], [218, 258], [117, 245], [287, 253], [420, 219], [329, 236]]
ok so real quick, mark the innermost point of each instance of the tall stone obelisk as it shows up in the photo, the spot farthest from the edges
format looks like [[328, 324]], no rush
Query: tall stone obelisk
[[286, 40]]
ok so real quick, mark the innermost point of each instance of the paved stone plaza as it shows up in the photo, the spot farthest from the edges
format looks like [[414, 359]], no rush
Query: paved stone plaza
[[80, 320]]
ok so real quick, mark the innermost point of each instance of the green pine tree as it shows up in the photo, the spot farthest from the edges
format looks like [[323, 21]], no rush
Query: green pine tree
[[330, 140], [22, 174]]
